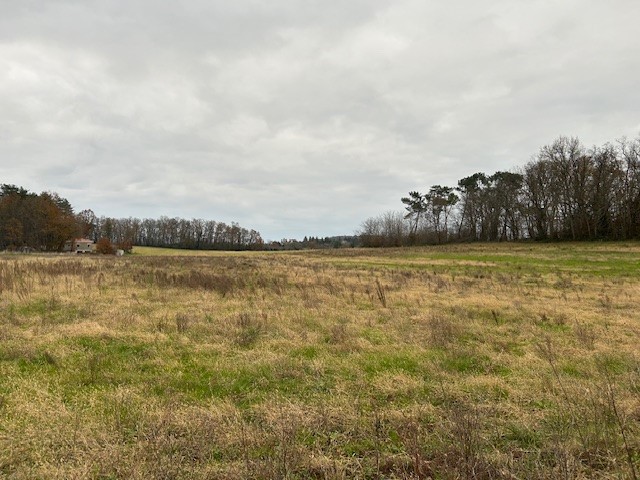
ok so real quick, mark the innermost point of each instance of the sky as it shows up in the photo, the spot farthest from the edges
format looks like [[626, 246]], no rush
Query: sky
[[300, 117]]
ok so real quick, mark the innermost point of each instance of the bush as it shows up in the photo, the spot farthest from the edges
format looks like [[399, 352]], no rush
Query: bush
[[105, 247]]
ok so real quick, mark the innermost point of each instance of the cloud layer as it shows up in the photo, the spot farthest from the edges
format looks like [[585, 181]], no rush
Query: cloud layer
[[300, 117]]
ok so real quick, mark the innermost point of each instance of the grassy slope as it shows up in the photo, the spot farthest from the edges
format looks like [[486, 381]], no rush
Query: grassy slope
[[472, 361]]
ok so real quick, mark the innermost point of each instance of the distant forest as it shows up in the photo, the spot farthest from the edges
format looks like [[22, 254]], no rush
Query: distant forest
[[566, 192], [27, 220], [194, 234], [44, 222]]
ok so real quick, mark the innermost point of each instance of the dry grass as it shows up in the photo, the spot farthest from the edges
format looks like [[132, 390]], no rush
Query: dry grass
[[478, 362]]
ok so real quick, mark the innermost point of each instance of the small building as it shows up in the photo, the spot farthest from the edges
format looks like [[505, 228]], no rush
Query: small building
[[80, 245]]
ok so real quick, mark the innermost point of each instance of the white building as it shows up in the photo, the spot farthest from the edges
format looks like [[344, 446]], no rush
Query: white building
[[80, 245]]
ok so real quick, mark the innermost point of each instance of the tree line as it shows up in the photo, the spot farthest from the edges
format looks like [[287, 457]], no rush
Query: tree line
[[314, 243], [171, 232], [566, 192], [45, 221], [40, 221]]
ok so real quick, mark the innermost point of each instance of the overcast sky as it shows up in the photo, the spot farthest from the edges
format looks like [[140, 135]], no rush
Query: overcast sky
[[300, 117]]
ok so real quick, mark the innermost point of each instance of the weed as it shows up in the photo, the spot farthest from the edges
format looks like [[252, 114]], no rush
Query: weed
[[586, 334], [182, 323], [442, 330], [338, 334], [621, 423], [381, 293], [162, 324], [605, 302], [249, 329], [466, 440], [413, 431], [552, 321]]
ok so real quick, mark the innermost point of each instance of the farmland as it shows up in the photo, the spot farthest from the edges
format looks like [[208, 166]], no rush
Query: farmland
[[467, 361]]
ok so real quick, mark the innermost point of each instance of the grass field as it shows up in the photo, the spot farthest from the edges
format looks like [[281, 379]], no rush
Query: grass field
[[501, 361]]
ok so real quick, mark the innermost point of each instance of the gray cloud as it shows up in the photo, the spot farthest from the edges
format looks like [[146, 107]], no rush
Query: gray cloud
[[299, 118]]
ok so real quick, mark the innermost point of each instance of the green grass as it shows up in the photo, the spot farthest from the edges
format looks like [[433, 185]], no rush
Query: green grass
[[612, 260]]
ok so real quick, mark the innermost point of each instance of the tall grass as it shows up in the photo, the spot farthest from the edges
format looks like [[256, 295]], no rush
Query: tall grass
[[476, 362]]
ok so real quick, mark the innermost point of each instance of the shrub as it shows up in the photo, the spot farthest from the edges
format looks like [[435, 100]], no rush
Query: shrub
[[105, 247]]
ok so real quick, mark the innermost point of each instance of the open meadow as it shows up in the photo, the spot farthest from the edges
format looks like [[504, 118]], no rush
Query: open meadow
[[481, 361]]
